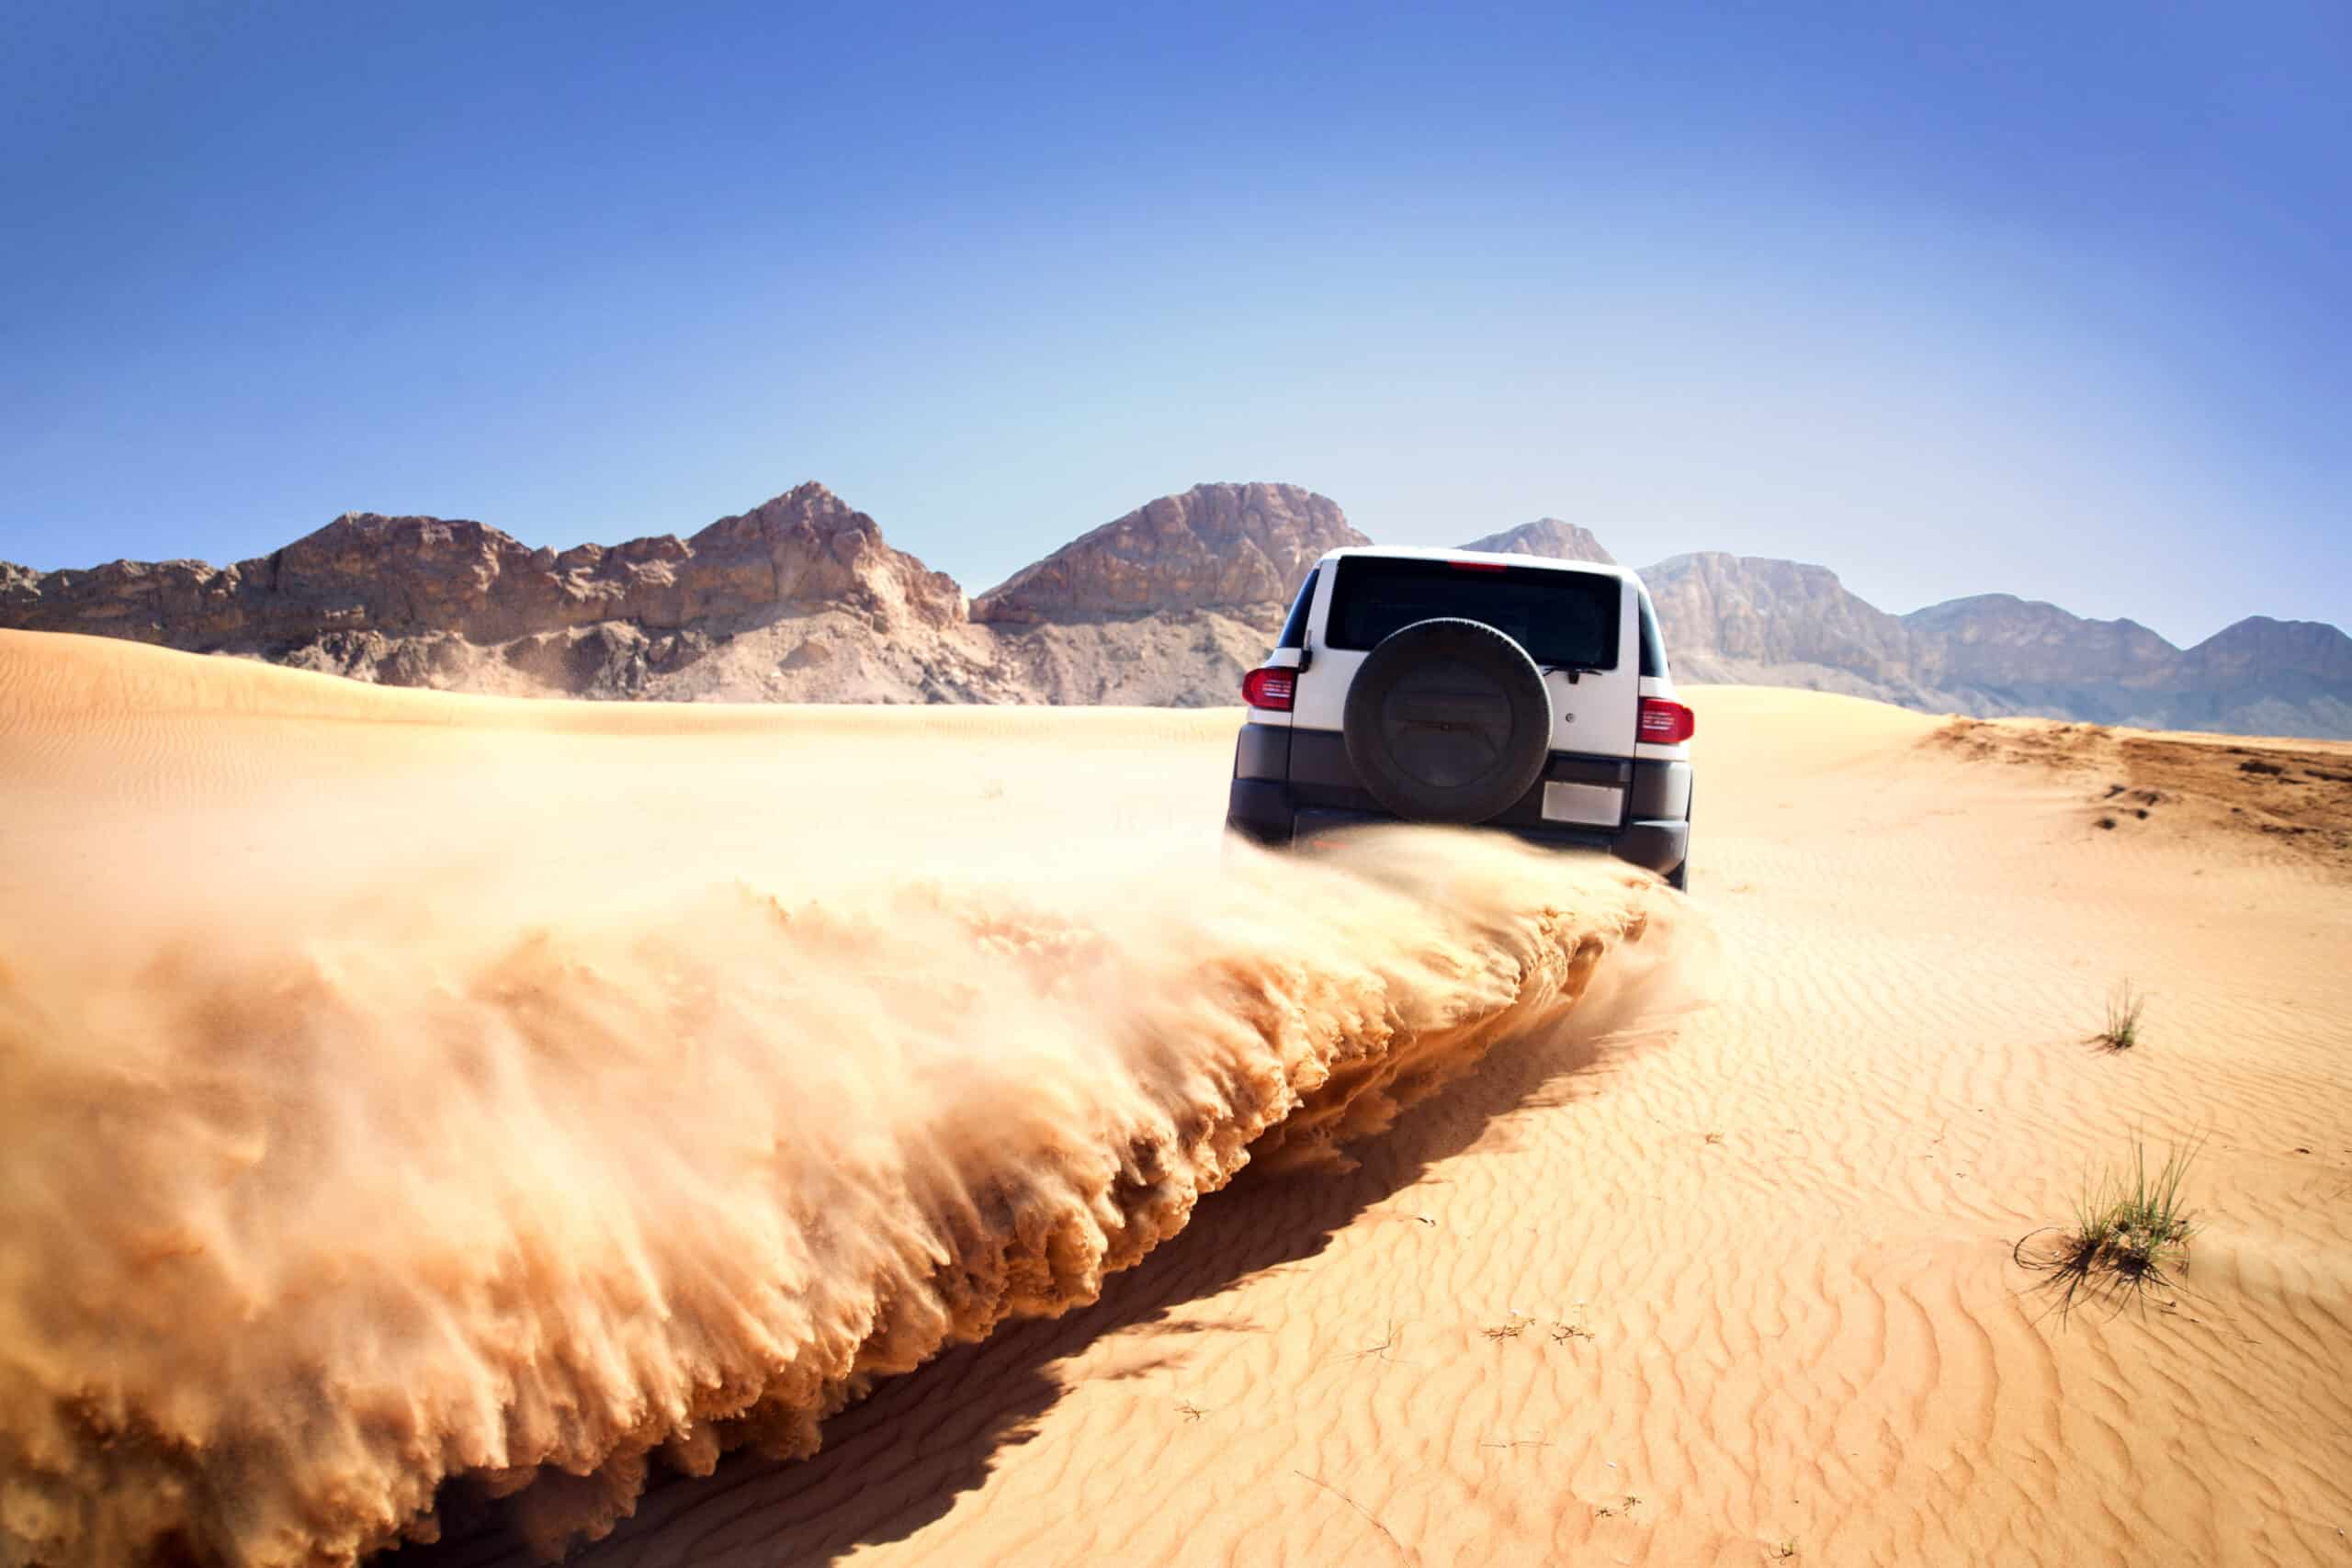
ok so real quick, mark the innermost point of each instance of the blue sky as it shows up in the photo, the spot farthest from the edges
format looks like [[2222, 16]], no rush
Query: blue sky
[[2044, 298]]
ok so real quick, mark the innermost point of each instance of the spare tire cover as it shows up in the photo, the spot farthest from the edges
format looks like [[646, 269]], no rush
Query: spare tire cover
[[1448, 721]]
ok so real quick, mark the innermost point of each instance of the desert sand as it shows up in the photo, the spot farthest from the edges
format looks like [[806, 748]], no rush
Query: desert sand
[[398, 1084]]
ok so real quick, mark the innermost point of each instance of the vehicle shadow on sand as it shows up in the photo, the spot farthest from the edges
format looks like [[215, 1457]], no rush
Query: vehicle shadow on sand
[[898, 1461]]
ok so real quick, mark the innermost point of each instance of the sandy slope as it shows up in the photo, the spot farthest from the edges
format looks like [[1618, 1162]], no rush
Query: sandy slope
[[1716, 1285], [1783, 1226], [396, 1089]]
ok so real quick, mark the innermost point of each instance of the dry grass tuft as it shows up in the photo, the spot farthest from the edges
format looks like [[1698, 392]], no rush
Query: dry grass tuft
[[2123, 1009], [1573, 1330], [2130, 1228], [1511, 1327]]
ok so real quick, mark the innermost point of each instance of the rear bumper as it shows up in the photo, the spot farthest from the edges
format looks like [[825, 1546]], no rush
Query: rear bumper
[[1280, 799], [1262, 811], [1652, 846]]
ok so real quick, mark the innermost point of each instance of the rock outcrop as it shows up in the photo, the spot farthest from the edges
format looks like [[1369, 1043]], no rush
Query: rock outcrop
[[407, 577], [1230, 547], [1774, 613], [1546, 537]]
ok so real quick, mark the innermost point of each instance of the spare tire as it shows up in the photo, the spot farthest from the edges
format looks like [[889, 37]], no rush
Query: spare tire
[[1448, 721]]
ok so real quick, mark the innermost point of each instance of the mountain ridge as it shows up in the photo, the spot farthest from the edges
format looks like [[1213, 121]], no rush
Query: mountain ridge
[[801, 598], [1756, 620], [1214, 547], [1547, 536]]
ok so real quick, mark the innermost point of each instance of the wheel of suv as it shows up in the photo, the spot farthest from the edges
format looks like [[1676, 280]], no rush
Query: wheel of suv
[[1448, 721]]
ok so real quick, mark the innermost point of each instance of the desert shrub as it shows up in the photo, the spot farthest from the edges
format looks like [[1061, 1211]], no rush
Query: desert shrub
[[2130, 1230], [2124, 1006]]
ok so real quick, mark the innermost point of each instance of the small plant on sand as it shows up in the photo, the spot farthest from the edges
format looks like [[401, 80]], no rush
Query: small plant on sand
[[1511, 1327], [1781, 1551], [2130, 1227], [2124, 1008], [1381, 1350]]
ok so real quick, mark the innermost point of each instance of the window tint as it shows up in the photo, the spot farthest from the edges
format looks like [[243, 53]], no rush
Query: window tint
[[1652, 646], [1562, 618], [1294, 629]]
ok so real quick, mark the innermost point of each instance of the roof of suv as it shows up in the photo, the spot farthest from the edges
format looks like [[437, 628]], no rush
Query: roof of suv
[[1483, 558]]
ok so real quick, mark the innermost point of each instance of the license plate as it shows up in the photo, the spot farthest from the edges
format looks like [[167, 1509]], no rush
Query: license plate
[[1587, 806]]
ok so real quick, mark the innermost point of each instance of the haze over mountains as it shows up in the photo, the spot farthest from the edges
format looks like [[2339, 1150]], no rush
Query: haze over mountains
[[801, 600]]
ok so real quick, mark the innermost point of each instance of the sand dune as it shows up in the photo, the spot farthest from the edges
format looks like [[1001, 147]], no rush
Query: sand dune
[[695, 1030], [503, 1101]]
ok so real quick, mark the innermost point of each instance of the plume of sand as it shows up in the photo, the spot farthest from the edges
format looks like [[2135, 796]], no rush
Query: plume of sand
[[302, 1220]]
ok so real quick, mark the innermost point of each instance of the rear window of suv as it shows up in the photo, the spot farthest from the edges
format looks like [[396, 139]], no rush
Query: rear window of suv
[[1562, 618]]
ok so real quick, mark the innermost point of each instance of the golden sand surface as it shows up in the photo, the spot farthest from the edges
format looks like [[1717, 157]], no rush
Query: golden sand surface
[[770, 1135]]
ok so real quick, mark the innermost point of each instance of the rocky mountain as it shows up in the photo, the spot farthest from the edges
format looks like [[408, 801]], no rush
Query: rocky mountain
[[1998, 639], [1720, 610], [2259, 648], [1998, 654], [1755, 621], [1546, 537], [427, 601], [797, 600], [1221, 548], [2264, 677], [408, 576], [1167, 605], [801, 600]]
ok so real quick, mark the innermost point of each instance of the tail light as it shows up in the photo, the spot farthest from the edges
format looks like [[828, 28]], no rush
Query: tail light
[[1665, 723], [1270, 689]]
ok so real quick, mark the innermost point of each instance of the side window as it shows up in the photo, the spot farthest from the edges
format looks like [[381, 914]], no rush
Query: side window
[[1295, 628], [1652, 646]]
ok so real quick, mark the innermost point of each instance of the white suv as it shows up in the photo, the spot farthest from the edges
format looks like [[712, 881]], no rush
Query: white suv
[[1456, 686]]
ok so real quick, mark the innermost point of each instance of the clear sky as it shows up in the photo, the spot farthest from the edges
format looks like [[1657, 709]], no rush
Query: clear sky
[[2047, 299]]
